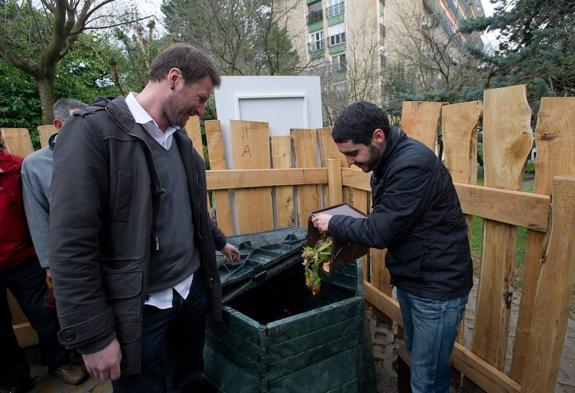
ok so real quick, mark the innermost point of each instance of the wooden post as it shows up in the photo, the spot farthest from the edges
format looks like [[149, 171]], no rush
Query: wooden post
[[553, 294], [420, 119], [251, 150], [218, 161], [507, 141], [305, 156], [334, 181], [195, 133], [281, 158], [555, 143], [328, 150], [17, 141], [459, 129], [45, 132]]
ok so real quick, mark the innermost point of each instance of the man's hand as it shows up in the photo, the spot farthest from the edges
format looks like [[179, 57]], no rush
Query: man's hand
[[105, 364], [231, 253], [321, 221]]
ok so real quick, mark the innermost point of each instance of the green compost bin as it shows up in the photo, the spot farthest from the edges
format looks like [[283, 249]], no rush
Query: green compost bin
[[276, 336]]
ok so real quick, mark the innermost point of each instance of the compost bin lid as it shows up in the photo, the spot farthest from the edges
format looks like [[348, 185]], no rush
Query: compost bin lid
[[262, 256]]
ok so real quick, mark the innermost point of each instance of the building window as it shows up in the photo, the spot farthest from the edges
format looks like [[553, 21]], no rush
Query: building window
[[315, 41], [314, 13], [337, 34], [338, 63], [337, 39], [335, 8]]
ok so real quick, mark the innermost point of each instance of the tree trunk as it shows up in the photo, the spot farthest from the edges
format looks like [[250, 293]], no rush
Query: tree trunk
[[46, 93]]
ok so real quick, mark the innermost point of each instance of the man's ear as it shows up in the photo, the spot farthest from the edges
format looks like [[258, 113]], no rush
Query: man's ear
[[378, 136], [58, 123], [173, 75]]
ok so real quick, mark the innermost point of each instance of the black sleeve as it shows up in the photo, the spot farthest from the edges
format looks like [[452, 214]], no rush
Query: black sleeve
[[78, 193], [407, 194]]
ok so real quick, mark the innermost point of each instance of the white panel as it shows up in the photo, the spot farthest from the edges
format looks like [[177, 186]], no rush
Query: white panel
[[282, 101], [337, 29], [282, 112]]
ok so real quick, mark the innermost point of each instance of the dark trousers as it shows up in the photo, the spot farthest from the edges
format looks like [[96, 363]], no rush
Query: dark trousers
[[172, 346], [27, 282]]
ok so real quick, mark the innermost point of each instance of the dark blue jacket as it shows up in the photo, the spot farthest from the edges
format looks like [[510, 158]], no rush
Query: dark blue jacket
[[417, 217]]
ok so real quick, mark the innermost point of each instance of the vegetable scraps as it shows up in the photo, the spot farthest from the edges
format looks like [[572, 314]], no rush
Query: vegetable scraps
[[314, 257]]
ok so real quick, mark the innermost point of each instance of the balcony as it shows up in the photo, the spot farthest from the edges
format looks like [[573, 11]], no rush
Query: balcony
[[315, 16], [335, 10]]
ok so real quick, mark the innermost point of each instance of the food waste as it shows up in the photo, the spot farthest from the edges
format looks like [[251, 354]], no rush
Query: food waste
[[315, 257]]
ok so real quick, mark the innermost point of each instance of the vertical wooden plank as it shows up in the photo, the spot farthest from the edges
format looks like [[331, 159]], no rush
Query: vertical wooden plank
[[217, 159], [250, 150], [281, 158], [328, 150], [459, 129], [507, 141], [334, 181], [553, 294], [305, 155], [380, 277], [360, 200], [195, 133], [419, 120], [17, 141], [555, 143], [459, 124], [45, 132]]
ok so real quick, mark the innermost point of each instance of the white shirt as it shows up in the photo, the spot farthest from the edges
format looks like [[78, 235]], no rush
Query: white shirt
[[160, 299]]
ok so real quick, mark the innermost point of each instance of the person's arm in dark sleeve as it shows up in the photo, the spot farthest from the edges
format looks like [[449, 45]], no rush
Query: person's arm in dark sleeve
[[406, 197], [78, 195]]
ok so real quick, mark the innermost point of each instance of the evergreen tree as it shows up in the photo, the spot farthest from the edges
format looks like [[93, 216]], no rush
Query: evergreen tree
[[536, 46]]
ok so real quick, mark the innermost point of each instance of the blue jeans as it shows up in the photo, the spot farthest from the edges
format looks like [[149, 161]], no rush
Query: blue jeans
[[172, 345], [430, 328]]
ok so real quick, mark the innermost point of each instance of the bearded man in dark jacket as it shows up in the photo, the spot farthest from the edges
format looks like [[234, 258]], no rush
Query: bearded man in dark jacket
[[417, 217], [132, 247]]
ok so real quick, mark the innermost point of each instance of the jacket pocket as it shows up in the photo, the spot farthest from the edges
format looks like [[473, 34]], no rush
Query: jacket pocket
[[122, 195], [406, 262], [123, 283]]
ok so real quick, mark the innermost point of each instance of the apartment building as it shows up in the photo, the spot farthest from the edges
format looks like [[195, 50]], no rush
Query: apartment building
[[350, 41]]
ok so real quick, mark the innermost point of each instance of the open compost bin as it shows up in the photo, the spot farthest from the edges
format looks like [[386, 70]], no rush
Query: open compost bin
[[276, 336]]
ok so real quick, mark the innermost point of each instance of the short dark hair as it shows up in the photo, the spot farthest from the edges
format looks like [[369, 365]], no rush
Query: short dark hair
[[62, 107], [357, 123], [190, 60]]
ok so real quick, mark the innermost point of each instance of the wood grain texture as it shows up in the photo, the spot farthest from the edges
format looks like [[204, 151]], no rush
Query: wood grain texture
[[306, 156], [507, 141], [217, 159], [194, 131], [555, 143], [553, 293], [17, 140], [420, 121], [44, 133], [282, 158], [250, 150]]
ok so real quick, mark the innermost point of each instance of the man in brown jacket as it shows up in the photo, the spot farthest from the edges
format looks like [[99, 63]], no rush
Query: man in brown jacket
[[132, 246]]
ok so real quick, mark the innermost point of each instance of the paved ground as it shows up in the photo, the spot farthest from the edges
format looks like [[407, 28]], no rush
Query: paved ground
[[385, 339]]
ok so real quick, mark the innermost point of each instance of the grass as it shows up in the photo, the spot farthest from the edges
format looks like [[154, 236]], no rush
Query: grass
[[477, 239]]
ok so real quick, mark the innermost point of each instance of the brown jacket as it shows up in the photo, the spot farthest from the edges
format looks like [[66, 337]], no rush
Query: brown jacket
[[104, 205]]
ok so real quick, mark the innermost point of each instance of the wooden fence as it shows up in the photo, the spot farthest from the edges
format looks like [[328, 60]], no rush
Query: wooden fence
[[278, 181]]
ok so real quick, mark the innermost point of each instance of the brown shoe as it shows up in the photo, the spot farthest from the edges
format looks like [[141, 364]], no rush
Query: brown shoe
[[72, 374]]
